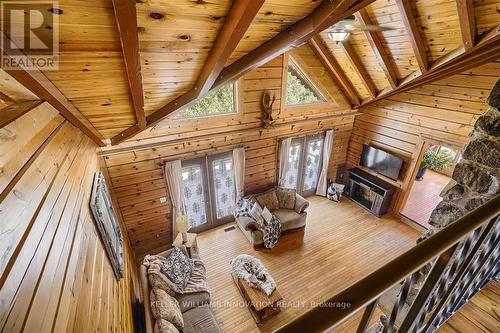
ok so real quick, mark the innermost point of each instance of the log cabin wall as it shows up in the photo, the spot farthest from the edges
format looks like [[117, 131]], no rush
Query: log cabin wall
[[444, 111], [135, 166], [55, 274]]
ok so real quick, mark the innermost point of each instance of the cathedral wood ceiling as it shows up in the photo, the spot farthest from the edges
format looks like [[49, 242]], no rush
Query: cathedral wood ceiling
[[126, 65]]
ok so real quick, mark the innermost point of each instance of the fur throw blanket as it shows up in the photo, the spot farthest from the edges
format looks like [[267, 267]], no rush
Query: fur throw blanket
[[253, 272]]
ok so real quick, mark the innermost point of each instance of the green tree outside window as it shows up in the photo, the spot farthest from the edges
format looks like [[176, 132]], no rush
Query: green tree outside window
[[216, 102], [298, 89]]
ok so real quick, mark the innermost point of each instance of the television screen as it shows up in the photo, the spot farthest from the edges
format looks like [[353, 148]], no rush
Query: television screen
[[381, 162]]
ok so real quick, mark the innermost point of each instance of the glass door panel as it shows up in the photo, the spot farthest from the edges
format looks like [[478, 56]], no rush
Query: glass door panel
[[312, 164], [195, 193], [222, 187], [294, 161]]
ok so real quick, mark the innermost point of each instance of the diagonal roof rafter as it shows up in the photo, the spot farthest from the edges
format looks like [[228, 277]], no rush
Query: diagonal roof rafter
[[328, 13]]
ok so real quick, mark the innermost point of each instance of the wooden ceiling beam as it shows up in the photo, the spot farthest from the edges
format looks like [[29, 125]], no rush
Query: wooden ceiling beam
[[328, 13], [414, 35], [40, 85], [237, 22], [378, 48], [453, 63], [235, 26], [126, 20], [359, 68], [16, 110], [466, 18], [325, 56], [4, 99]]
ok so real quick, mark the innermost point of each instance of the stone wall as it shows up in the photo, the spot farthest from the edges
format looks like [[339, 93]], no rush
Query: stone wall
[[476, 177]]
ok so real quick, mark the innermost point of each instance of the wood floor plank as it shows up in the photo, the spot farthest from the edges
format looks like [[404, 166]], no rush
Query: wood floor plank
[[341, 244]]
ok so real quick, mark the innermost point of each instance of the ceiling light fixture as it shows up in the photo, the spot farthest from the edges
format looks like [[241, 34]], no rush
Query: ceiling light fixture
[[338, 36]]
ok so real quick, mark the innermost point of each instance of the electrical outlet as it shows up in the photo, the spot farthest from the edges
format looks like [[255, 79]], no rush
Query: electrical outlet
[[163, 199]]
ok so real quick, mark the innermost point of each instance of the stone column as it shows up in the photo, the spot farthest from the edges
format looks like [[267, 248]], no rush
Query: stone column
[[476, 177]]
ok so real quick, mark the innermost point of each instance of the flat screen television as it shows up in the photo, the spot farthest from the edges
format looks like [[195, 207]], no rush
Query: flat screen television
[[381, 162]]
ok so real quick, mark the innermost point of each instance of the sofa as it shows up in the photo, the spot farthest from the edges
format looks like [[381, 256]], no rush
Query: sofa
[[292, 215], [195, 309]]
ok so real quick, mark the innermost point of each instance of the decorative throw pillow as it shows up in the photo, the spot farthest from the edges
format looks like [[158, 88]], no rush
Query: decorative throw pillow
[[256, 213], [286, 197], [177, 267], [164, 326], [266, 214], [164, 306], [268, 199], [160, 281]]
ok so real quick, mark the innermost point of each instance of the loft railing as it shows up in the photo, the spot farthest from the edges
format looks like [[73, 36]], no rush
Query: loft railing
[[463, 256]]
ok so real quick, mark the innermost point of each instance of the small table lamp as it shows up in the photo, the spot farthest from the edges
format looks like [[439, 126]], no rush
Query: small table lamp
[[182, 226]]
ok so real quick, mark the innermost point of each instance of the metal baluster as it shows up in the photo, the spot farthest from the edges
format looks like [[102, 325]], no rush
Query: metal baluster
[[477, 261], [448, 272], [465, 265], [484, 273], [430, 282], [474, 274], [403, 295], [367, 316]]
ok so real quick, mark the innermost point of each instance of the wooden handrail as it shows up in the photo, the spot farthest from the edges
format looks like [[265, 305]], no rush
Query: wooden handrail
[[370, 288]]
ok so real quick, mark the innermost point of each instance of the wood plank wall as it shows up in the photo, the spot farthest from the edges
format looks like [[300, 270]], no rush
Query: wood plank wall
[[54, 272], [444, 111], [135, 166]]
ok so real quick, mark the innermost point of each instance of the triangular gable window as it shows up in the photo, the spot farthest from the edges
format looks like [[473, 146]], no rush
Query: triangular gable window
[[299, 90], [220, 101]]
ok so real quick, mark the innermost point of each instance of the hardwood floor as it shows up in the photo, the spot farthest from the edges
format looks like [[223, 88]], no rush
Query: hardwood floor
[[341, 244], [424, 196]]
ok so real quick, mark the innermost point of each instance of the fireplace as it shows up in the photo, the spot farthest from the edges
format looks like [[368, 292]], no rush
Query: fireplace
[[369, 191], [363, 195]]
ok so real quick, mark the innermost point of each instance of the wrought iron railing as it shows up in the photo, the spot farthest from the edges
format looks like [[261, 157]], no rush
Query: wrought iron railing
[[452, 265]]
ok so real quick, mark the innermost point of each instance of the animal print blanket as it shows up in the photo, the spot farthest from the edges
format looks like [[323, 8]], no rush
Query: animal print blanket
[[271, 232]]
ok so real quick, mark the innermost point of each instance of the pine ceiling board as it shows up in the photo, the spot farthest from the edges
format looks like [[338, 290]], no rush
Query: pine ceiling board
[[346, 66], [396, 43], [91, 72], [487, 15], [367, 57], [175, 36], [439, 26], [273, 17]]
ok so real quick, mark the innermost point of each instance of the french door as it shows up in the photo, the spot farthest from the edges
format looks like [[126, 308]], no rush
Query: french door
[[209, 191], [305, 161]]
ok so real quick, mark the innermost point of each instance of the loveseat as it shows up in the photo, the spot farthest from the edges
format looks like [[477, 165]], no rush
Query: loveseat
[[285, 204], [195, 309]]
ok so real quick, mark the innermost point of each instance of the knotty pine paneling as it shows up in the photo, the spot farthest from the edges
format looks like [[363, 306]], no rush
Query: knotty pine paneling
[[445, 110], [54, 271], [135, 166]]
